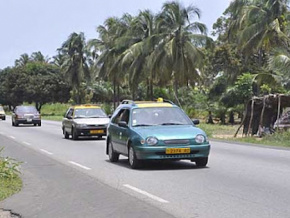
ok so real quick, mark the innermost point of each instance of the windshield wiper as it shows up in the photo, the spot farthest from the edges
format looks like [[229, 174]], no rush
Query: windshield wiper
[[142, 125], [165, 124]]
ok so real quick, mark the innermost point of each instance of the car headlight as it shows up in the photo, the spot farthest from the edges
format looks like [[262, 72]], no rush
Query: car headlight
[[81, 125], [200, 139], [151, 140]]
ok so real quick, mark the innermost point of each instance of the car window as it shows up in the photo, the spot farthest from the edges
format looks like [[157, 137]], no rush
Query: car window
[[69, 113], [26, 109], [159, 116], [1, 108], [123, 115], [89, 113]]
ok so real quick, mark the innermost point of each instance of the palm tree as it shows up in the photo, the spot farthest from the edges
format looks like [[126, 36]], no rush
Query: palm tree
[[23, 60], [261, 24], [178, 54], [279, 62], [136, 58], [38, 57], [112, 43], [75, 66]]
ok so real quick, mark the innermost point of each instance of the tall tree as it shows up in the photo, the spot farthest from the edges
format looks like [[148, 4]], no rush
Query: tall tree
[[75, 66], [179, 53], [23, 60]]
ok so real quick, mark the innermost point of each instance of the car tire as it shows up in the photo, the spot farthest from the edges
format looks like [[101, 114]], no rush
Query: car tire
[[34, 124], [113, 156], [133, 161], [74, 134], [4, 118], [39, 124], [201, 162], [15, 123], [65, 134]]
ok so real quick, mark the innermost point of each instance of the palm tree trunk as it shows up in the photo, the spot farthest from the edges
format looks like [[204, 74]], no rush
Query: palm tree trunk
[[114, 94]]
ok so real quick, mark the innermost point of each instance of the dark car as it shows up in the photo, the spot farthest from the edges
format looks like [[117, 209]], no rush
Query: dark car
[[26, 115], [156, 130]]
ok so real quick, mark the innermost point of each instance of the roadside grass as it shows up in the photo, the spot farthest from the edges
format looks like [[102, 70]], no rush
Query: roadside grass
[[9, 187], [54, 111], [10, 182], [226, 132]]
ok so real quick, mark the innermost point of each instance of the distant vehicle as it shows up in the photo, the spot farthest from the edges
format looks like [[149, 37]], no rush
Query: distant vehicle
[[2, 113], [85, 120], [155, 130], [26, 115]]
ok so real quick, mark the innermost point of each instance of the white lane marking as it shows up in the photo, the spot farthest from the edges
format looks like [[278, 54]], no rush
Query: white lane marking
[[26, 143], [45, 151], [12, 137], [79, 165], [146, 193]]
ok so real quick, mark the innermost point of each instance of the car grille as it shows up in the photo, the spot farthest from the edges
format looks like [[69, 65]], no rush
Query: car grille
[[28, 116], [177, 141], [95, 125]]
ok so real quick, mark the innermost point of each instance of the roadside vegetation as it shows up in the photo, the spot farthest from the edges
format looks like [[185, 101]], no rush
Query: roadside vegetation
[[10, 182], [168, 54]]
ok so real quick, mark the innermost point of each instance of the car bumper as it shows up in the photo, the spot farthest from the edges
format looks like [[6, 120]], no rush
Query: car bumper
[[28, 121], [159, 152], [91, 132]]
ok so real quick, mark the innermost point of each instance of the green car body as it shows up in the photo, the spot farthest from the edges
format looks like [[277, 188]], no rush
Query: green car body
[[169, 135]]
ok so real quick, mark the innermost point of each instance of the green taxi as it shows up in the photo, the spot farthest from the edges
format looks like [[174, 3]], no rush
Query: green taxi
[[157, 130]]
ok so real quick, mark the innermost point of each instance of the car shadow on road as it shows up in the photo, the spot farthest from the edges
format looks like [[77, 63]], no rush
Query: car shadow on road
[[87, 139], [161, 165]]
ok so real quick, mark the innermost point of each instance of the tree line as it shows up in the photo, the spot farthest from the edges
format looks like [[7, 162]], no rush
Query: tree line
[[166, 54]]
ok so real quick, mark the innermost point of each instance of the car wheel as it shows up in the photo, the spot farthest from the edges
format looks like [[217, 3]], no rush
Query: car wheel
[[74, 134], [4, 118], [113, 156], [201, 162], [34, 124], [39, 124], [133, 161], [65, 134], [15, 123]]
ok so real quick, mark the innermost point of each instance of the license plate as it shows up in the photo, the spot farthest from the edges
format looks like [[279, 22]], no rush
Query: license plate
[[28, 119], [177, 150], [97, 131]]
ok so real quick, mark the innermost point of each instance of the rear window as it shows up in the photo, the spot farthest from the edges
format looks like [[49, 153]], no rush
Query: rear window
[[26, 109]]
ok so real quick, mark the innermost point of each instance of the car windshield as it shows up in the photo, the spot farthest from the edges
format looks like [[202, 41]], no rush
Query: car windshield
[[26, 109], [159, 116], [89, 113]]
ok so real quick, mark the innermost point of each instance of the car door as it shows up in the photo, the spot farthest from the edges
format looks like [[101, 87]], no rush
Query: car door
[[67, 120], [124, 131], [117, 132]]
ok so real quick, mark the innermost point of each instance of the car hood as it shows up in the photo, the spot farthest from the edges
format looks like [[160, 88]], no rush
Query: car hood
[[2, 112], [169, 132], [91, 121]]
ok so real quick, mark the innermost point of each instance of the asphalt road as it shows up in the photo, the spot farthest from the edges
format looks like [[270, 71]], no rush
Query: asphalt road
[[240, 180]]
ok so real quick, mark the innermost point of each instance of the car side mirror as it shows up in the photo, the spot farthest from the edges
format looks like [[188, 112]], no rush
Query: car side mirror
[[123, 124], [110, 115], [195, 121], [69, 117]]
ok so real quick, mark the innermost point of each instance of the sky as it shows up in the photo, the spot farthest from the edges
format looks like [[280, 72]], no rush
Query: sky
[[29, 26]]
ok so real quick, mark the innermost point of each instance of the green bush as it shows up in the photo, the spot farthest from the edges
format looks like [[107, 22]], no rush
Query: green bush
[[8, 167]]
